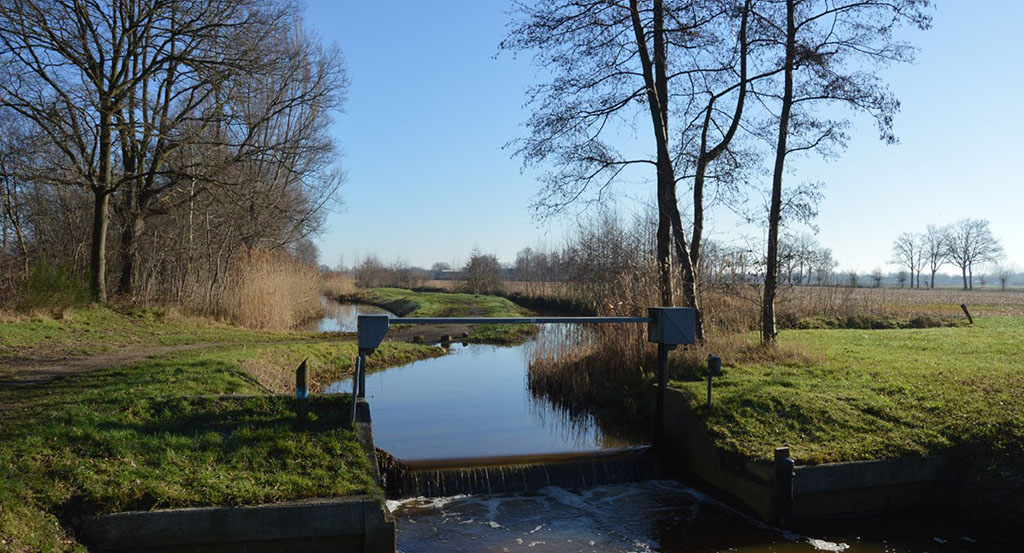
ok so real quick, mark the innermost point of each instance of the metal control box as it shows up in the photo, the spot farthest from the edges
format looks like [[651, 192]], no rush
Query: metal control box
[[672, 325], [372, 329]]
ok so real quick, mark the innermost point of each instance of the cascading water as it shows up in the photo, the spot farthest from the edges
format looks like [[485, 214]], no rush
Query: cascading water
[[518, 474]]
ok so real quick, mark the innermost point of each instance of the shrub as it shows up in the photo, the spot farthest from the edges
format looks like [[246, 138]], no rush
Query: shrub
[[53, 287]]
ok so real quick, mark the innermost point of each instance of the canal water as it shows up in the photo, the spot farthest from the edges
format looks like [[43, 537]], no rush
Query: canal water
[[474, 402], [341, 317]]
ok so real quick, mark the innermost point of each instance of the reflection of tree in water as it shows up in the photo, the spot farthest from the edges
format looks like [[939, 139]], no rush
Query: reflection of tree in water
[[576, 380]]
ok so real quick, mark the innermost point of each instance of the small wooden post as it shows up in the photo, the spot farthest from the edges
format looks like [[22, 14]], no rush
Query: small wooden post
[[966, 312], [302, 392], [784, 473]]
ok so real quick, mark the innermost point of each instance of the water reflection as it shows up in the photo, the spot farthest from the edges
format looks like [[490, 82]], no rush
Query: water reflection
[[473, 402], [342, 317]]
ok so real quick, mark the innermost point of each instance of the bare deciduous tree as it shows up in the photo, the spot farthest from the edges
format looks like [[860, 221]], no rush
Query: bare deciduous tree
[[908, 251], [678, 61], [970, 241], [822, 45], [483, 273], [934, 244]]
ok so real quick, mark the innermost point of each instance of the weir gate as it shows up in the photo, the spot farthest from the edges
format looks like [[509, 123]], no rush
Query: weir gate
[[667, 327]]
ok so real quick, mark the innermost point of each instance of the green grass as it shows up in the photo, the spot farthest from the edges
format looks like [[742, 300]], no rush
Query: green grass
[[875, 394], [144, 437], [149, 435], [273, 365], [100, 329], [406, 303]]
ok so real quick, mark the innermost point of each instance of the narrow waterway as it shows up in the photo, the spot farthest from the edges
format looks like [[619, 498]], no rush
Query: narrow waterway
[[474, 402]]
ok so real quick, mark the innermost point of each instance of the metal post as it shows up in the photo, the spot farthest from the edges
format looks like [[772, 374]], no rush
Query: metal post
[[361, 366], [355, 389], [659, 402], [302, 392]]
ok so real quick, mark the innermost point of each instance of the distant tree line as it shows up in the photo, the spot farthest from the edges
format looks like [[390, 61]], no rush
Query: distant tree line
[[964, 244], [160, 139]]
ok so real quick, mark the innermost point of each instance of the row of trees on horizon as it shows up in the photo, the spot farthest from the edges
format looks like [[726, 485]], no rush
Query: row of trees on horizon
[[609, 250], [963, 244]]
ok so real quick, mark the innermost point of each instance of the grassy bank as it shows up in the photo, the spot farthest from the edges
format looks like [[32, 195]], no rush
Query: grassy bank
[[406, 303], [845, 395], [155, 433], [91, 330], [865, 394]]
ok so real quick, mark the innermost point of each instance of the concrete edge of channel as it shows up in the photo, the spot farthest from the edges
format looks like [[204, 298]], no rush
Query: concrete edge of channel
[[356, 523], [818, 491]]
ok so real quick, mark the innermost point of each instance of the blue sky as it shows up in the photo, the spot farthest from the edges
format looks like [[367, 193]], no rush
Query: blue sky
[[431, 106]]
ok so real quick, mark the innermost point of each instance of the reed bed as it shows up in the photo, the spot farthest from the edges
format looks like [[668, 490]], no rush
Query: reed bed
[[271, 291], [337, 284]]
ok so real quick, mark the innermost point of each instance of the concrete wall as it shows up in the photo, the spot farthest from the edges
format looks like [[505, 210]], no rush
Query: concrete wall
[[833, 489], [349, 524]]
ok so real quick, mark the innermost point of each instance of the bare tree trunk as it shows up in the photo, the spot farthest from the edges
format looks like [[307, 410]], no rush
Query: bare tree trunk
[[963, 272], [130, 258], [98, 265], [657, 96], [771, 277]]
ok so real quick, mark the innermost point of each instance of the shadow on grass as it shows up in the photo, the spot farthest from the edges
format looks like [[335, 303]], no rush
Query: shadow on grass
[[157, 435]]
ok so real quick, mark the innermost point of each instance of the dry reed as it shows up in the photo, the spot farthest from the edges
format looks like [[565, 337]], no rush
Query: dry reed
[[336, 285], [271, 291]]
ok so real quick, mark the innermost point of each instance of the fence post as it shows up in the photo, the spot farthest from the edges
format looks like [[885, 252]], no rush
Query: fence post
[[784, 473], [355, 389], [302, 392]]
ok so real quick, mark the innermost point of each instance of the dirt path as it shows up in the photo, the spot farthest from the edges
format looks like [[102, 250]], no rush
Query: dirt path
[[30, 371]]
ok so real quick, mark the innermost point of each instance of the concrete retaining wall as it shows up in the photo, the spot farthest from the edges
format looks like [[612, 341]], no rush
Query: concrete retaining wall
[[350, 524], [833, 489]]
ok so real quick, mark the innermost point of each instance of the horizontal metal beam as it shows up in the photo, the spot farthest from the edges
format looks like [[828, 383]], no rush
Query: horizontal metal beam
[[514, 320]]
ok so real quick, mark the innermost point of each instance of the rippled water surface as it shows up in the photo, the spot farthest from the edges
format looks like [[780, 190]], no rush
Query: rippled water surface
[[650, 516]]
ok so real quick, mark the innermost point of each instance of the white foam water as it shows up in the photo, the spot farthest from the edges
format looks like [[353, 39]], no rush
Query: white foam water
[[660, 515]]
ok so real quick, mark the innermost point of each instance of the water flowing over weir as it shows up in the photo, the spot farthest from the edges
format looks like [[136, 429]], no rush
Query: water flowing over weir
[[494, 475], [459, 425]]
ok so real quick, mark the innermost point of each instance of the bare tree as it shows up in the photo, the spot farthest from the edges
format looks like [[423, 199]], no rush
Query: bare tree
[[822, 45], [91, 74], [876, 277], [1004, 273], [483, 273], [970, 241], [908, 251], [901, 278], [611, 61], [935, 242]]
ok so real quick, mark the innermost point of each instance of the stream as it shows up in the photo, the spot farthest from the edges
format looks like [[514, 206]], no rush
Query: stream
[[474, 402]]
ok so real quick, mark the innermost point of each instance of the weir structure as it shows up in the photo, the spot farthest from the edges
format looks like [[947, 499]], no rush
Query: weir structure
[[666, 326]]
